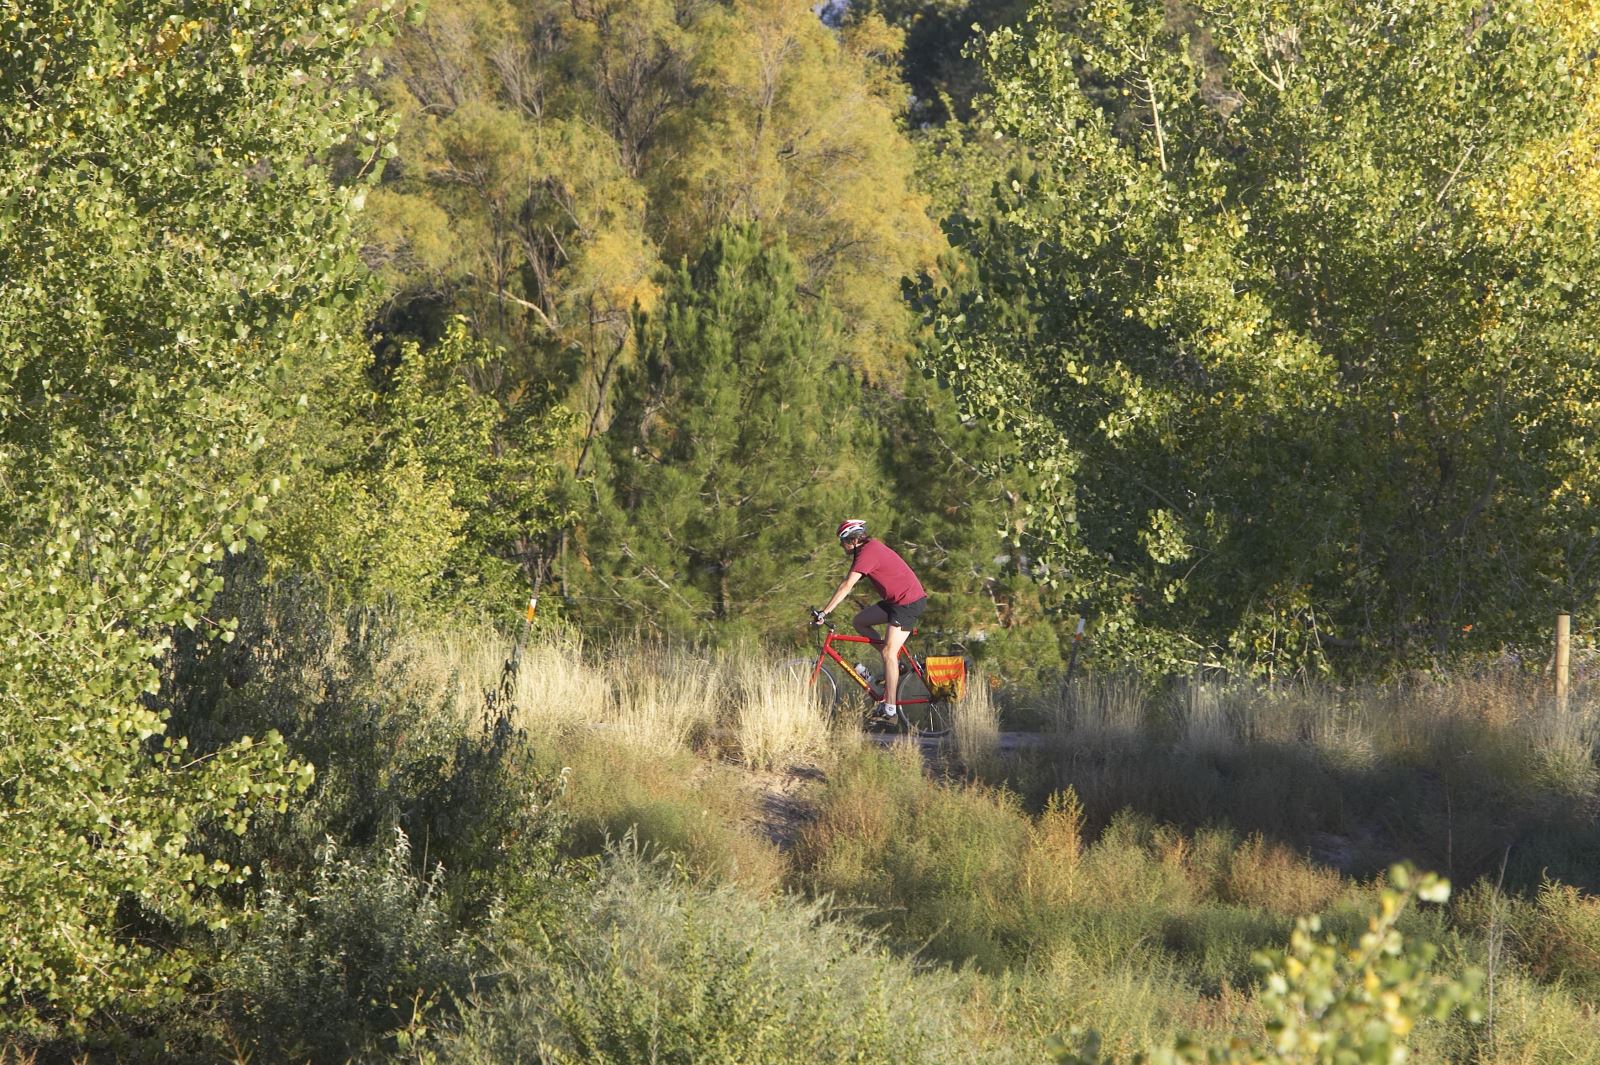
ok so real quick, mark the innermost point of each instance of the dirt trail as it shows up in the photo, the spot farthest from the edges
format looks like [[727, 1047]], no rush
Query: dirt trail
[[785, 799], [784, 803]]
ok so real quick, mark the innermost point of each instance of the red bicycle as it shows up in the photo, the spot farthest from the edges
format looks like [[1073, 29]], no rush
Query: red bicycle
[[924, 709]]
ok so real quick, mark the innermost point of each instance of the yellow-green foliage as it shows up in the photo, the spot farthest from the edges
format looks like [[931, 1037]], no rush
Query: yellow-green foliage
[[554, 156], [419, 492], [175, 257], [1269, 877], [1144, 315], [1557, 937]]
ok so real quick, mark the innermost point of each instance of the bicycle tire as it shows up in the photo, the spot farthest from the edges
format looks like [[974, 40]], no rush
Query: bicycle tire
[[796, 672], [930, 719]]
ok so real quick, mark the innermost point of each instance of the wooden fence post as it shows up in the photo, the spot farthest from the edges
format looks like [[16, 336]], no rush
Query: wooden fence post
[[1563, 657]]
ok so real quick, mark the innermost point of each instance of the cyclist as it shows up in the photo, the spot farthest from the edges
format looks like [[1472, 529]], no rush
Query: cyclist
[[902, 603]]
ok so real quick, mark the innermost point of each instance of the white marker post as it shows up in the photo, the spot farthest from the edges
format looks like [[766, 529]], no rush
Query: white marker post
[[1563, 658], [1077, 639]]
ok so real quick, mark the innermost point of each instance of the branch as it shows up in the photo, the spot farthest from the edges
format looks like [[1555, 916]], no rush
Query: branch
[[549, 323]]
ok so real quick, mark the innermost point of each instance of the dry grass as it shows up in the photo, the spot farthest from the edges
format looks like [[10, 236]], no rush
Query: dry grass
[[1208, 716], [776, 720], [1097, 711], [659, 699], [663, 700], [700, 812], [976, 730], [557, 692], [1271, 877]]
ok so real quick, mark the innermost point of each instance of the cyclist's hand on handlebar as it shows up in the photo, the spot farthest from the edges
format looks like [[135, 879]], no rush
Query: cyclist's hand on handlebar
[[817, 616]]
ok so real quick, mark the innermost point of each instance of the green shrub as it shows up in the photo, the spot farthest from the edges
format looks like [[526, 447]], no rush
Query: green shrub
[[1327, 999], [934, 865], [365, 950], [1558, 938], [1217, 943], [401, 733], [657, 969]]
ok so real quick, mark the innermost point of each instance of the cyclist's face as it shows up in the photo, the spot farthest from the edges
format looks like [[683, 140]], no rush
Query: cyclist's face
[[851, 544]]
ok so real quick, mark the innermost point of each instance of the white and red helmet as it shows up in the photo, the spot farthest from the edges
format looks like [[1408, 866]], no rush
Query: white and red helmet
[[851, 527]]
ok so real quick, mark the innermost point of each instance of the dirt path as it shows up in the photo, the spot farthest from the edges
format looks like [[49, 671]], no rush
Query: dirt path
[[785, 803], [785, 800]]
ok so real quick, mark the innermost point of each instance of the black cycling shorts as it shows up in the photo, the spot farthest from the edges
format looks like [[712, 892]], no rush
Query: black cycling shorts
[[904, 615]]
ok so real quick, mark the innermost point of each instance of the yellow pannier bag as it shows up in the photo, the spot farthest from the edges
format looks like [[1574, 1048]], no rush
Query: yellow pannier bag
[[947, 675]]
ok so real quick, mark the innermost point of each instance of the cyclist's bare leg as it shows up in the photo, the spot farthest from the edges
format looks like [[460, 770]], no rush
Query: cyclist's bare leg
[[868, 620], [892, 643], [866, 623]]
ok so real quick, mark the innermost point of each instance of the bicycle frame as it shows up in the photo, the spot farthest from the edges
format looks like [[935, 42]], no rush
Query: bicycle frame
[[905, 658]]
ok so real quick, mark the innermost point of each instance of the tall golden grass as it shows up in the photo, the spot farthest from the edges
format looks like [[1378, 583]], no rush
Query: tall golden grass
[[1098, 710], [650, 698], [975, 729], [775, 719]]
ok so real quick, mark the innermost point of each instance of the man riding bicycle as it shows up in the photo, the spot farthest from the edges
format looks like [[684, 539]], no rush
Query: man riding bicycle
[[902, 603]]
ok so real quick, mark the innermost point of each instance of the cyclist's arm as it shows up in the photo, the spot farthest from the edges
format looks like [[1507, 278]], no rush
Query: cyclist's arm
[[843, 590]]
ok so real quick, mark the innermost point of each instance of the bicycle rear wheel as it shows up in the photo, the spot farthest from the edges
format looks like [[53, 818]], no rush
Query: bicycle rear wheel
[[931, 718], [795, 675]]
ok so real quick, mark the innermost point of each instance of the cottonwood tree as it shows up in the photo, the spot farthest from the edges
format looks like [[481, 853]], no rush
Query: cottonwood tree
[[554, 155], [1297, 307], [174, 256]]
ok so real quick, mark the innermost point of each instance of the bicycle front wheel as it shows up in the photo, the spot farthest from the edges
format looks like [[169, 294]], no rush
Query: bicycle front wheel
[[927, 715], [796, 675]]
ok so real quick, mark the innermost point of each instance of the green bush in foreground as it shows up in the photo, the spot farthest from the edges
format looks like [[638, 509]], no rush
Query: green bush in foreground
[[656, 969], [366, 949], [174, 259], [1327, 1001]]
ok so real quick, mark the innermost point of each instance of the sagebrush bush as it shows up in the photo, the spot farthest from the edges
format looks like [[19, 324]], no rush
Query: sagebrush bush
[[654, 968], [328, 969]]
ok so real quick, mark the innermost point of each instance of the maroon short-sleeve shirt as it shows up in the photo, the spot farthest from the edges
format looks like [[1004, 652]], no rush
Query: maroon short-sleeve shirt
[[880, 564]]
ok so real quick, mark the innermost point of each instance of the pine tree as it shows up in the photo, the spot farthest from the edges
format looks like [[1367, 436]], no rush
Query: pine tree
[[734, 447]]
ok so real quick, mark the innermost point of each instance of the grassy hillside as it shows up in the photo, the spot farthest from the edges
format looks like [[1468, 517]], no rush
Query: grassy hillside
[[640, 854]]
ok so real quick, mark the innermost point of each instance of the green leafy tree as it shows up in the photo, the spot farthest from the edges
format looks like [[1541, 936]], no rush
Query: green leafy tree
[[955, 513], [737, 440], [174, 254], [1300, 356], [426, 491]]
